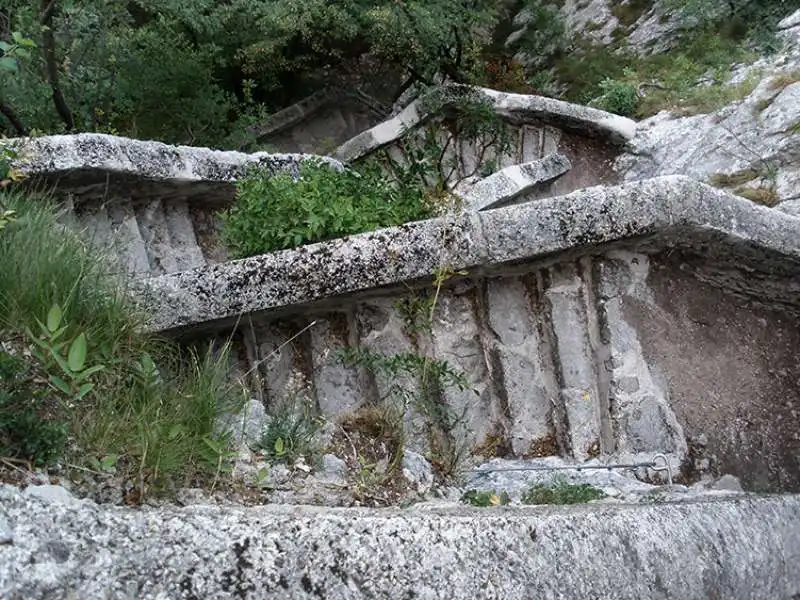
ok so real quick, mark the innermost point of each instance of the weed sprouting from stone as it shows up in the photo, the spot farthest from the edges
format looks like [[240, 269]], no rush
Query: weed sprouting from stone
[[561, 492]]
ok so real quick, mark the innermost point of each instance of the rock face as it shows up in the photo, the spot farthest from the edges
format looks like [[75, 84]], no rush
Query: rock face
[[743, 549], [593, 344], [753, 144]]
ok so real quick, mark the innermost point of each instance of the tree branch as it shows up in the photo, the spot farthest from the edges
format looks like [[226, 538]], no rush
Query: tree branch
[[12, 117], [46, 11]]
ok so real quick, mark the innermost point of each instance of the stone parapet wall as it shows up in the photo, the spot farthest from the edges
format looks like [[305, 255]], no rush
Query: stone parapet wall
[[745, 549], [611, 322], [572, 319], [153, 205]]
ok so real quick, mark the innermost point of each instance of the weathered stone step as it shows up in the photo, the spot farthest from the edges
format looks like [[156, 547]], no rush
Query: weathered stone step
[[745, 549], [153, 205], [653, 215], [579, 322]]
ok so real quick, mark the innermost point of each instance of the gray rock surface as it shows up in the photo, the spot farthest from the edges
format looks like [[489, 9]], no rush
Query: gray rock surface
[[517, 107], [248, 425], [94, 157], [50, 493], [417, 471], [755, 134], [334, 470], [741, 549], [6, 533], [676, 208], [727, 483], [503, 187]]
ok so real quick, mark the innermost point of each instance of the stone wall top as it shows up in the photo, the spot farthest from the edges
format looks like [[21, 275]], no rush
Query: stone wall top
[[86, 162], [737, 549], [666, 212], [520, 108]]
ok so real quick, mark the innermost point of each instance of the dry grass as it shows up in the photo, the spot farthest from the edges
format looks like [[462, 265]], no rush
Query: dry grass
[[735, 178], [766, 196]]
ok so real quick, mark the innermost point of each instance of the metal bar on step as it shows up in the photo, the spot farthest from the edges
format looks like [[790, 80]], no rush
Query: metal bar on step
[[653, 464]]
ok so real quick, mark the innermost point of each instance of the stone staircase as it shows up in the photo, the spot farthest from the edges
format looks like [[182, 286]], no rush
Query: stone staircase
[[599, 323]]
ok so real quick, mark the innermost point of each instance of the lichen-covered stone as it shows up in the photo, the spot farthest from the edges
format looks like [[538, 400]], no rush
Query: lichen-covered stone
[[741, 549], [674, 210], [517, 107], [504, 186], [93, 158]]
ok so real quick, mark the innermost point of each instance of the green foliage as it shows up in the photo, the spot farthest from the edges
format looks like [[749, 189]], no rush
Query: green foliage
[[561, 492], [18, 48], [291, 431], [276, 212], [70, 357], [485, 499], [35, 248], [692, 78], [543, 35], [418, 381], [461, 115], [92, 376], [206, 72], [32, 426], [8, 174], [618, 97], [752, 21]]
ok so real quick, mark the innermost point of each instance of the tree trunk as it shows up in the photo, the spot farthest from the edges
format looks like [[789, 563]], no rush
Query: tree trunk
[[12, 117], [46, 10]]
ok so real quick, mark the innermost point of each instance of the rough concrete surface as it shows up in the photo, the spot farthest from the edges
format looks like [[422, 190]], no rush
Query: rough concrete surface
[[520, 108], [735, 549], [507, 184], [678, 208]]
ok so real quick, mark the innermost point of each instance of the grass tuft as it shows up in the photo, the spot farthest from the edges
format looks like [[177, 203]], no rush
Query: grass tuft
[[132, 405], [561, 492]]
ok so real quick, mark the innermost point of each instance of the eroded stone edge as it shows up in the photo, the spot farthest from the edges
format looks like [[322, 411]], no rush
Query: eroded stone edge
[[523, 107], [580, 220], [101, 154]]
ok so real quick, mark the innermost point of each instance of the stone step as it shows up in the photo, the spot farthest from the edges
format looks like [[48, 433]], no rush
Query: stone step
[[742, 549]]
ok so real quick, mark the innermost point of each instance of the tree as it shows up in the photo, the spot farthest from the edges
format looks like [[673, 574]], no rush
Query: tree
[[198, 71]]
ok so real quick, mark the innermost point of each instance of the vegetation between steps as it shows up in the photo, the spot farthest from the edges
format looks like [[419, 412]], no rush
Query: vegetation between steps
[[81, 389]]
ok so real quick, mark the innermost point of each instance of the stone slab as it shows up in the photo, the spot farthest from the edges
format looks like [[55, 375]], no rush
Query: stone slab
[[100, 165], [667, 211], [520, 108], [743, 549], [509, 183]]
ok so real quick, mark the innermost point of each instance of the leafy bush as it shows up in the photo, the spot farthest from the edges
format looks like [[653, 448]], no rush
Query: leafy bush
[[277, 212], [618, 97], [121, 397], [485, 499], [32, 427], [561, 492], [194, 72], [291, 432]]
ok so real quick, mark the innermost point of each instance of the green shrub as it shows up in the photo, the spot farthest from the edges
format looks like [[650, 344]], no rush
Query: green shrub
[[485, 499], [277, 212], [618, 97], [561, 492], [291, 432], [33, 427], [122, 398]]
